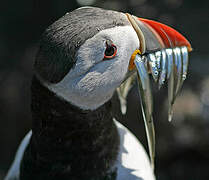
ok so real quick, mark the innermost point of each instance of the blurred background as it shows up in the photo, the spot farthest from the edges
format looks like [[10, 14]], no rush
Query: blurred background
[[182, 145]]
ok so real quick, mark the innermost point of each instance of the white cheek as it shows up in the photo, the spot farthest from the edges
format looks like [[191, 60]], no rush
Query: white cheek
[[92, 82], [86, 58]]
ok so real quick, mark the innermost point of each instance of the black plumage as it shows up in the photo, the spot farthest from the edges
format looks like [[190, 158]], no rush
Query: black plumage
[[61, 40], [67, 142]]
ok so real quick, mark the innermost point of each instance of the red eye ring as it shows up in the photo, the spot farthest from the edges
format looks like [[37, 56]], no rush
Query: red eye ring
[[111, 50]]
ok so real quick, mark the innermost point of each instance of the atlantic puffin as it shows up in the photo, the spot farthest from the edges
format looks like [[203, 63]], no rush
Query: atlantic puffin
[[83, 58]]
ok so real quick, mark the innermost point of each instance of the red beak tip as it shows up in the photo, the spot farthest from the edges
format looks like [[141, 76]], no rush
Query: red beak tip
[[169, 36]]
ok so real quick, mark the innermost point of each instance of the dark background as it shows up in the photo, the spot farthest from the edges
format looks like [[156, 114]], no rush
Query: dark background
[[182, 145]]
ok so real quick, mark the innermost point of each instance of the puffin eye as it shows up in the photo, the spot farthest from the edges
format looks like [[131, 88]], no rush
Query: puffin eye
[[110, 51]]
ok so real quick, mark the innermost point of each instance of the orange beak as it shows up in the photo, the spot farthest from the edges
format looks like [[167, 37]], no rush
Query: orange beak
[[155, 36], [170, 37]]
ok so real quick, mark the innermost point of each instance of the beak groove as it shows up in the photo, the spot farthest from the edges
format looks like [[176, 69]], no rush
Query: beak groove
[[139, 33]]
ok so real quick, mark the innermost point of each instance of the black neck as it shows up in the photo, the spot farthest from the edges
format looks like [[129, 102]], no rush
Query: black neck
[[67, 142]]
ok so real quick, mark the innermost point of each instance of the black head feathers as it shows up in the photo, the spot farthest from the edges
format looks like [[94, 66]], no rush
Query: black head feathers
[[61, 40]]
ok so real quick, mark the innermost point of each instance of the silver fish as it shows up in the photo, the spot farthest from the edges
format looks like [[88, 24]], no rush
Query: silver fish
[[146, 103], [154, 65], [170, 59], [185, 60], [124, 89], [169, 64], [179, 70], [163, 66], [169, 54]]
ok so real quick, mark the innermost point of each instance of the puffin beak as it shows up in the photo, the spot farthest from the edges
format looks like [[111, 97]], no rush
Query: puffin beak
[[163, 53]]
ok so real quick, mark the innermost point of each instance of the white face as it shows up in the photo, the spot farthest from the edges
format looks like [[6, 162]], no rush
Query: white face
[[93, 80]]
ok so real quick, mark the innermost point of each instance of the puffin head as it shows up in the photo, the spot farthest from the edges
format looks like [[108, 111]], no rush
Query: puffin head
[[85, 55]]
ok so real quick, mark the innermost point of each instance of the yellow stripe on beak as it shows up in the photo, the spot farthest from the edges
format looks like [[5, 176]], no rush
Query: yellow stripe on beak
[[131, 62]]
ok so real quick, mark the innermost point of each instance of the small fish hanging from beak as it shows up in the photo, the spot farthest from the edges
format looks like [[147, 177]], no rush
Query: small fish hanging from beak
[[169, 63]]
